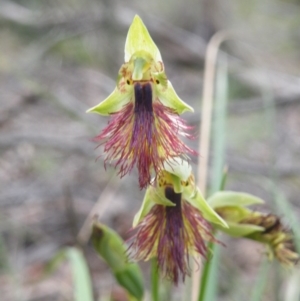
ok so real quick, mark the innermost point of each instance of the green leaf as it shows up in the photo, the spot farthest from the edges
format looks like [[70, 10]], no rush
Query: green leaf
[[81, 277], [232, 198]]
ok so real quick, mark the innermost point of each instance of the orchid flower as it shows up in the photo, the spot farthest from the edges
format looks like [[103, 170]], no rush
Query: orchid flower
[[173, 223], [144, 111]]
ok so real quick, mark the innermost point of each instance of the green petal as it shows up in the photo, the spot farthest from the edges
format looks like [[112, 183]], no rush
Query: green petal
[[113, 103], [146, 207], [160, 199], [199, 202], [152, 197], [138, 38], [232, 198], [178, 167], [239, 230], [169, 98]]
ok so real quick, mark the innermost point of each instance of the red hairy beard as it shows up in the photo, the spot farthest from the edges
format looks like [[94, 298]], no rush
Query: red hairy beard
[[144, 134], [171, 234]]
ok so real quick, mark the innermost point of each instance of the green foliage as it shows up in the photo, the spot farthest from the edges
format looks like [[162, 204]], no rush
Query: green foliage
[[209, 281], [82, 285], [81, 277], [111, 248]]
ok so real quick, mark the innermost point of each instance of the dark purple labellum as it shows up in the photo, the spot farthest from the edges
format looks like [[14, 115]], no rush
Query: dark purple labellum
[[172, 196], [143, 121], [174, 214], [143, 97]]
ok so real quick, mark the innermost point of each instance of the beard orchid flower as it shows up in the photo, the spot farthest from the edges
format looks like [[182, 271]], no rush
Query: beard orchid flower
[[173, 223], [144, 111]]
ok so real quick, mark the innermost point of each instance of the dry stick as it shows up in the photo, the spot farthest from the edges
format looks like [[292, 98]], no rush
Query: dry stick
[[98, 210], [203, 149]]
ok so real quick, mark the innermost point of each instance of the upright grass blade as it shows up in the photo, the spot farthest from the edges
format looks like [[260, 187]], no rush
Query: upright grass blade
[[261, 280], [269, 115], [208, 289], [81, 277], [284, 207], [82, 284]]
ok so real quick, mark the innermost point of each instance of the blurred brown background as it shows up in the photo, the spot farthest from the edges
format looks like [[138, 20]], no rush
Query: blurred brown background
[[58, 58]]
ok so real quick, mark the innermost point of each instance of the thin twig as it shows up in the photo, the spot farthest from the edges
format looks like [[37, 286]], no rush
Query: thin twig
[[98, 210]]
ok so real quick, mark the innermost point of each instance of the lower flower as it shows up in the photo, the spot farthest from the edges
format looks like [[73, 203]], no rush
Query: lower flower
[[172, 225], [171, 234]]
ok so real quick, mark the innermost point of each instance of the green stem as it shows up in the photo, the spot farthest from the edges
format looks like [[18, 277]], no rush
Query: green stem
[[206, 274], [154, 280]]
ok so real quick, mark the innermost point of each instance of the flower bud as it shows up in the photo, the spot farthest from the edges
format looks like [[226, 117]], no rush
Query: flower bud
[[111, 248], [264, 228]]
